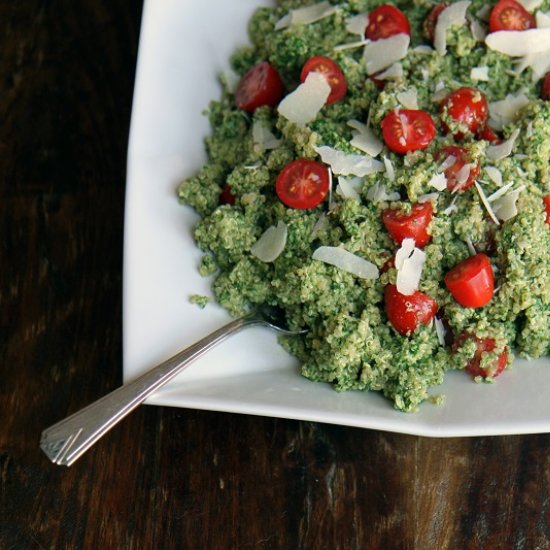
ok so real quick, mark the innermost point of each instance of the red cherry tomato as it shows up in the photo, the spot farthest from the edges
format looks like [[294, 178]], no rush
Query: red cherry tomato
[[509, 15], [302, 184], [488, 134], [545, 90], [546, 201], [471, 282], [331, 71], [385, 21], [405, 313], [407, 130], [409, 226], [467, 107], [431, 20], [260, 86], [483, 345], [226, 196], [452, 173]]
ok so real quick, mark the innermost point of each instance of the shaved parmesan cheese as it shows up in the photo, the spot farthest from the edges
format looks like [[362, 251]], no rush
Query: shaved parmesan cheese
[[230, 79], [519, 43], [346, 261], [409, 262], [347, 187], [263, 137], [478, 30], [319, 225], [438, 181], [507, 110], [382, 53], [506, 207], [543, 19], [529, 129], [272, 242], [348, 165], [393, 72], [447, 163], [440, 94], [423, 49], [531, 5], [302, 105], [462, 177], [390, 172], [453, 15], [500, 192], [305, 16], [357, 24], [408, 98], [440, 330], [480, 73], [365, 139], [486, 203], [378, 193], [350, 45], [495, 174], [452, 207], [471, 246], [429, 197], [504, 149]]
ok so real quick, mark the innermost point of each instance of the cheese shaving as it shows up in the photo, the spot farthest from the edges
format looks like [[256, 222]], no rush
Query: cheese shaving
[[452, 207], [543, 19], [350, 45], [500, 192], [393, 72], [495, 174], [519, 43], [378, 193], [302, 105], [408, 98], [305, 16], [507, 110], [453, 15], [390, 171], [440, 330], [486, 203], [272, 242], [506, 207], [504, 149], [383, 53], [484, 12], [357, 24], [364, 139], [348, 165], [409, 262], [531, 5], [438, 181], [263, 137], [346, 261], [470, 245], [462, 177], [480, 73], [478, 30], [423, 49], [347, 187], [429, 197]]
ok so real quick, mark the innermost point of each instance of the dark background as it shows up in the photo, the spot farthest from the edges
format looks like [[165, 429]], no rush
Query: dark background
[[173, 478]]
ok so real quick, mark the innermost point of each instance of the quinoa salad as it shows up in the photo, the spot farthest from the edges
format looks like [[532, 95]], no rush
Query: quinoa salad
[[381, 173]]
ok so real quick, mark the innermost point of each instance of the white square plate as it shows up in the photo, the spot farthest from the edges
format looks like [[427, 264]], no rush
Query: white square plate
[[184, 45]]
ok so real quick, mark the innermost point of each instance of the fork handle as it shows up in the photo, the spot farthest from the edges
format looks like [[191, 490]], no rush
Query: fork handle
[[70, 438]]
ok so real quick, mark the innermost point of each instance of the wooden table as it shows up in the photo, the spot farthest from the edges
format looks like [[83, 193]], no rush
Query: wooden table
[[174, 478]]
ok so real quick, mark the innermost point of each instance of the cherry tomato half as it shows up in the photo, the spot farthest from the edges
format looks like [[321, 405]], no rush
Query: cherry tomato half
[[226, 196], [431, 20], [260, 86], [483, 345], [407, 130], [452, 173], [509, 15], [471, 281], [385, 21], [331, 71], [409, 226], [545, 89], [302, 184], [405, 313], [488, 134], [467, 107], [546, 201]]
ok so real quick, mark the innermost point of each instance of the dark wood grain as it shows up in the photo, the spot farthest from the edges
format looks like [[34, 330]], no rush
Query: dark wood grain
[[168, 478]]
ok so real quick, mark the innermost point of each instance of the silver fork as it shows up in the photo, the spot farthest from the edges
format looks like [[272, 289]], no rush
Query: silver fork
[[70, 438]]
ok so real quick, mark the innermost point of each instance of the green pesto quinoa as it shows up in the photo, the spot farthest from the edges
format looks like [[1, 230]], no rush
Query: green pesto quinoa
[[351, 343]]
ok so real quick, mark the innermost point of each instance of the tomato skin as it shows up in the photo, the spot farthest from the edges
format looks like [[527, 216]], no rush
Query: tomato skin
[[226, 196], [462, 158], [405, 313], [509, 15], [488, 134], [302, 184], [329, 69], [413, 225], [407, 130], [386, 21], [483, 345], [545, 89], [260, 86], [468, 107], [546, 201], [431, 20], [471, 282]]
